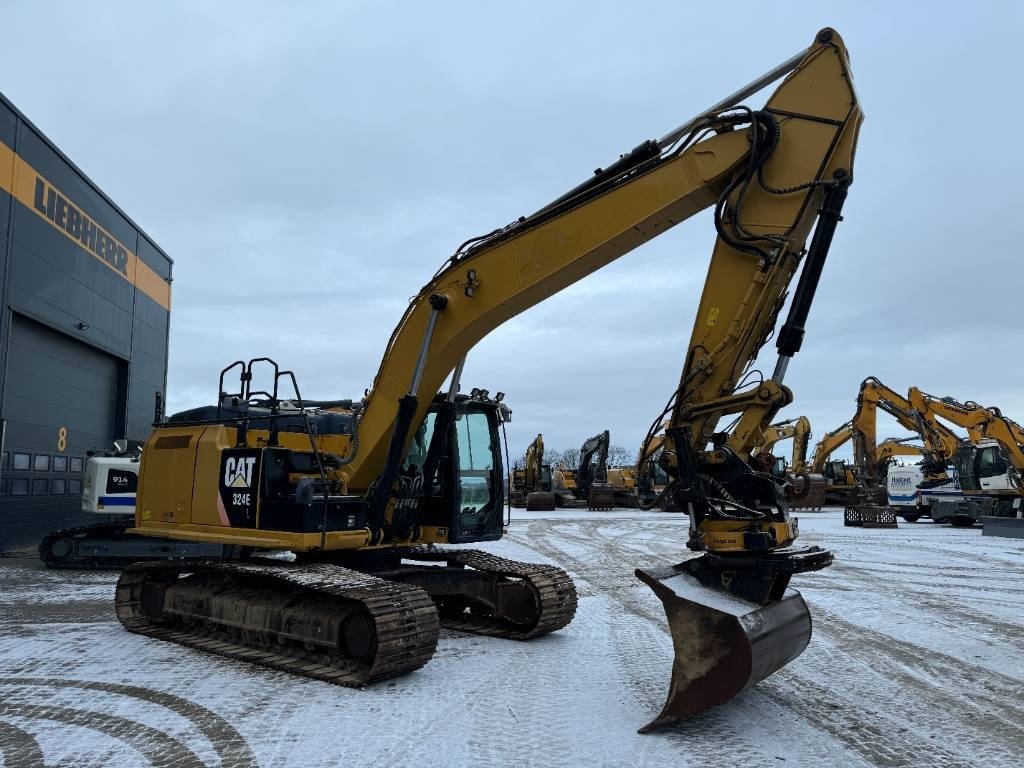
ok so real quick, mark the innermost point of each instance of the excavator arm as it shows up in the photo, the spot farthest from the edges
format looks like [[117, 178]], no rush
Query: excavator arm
[[980, 422], [768, 173], [941, 443], [534, 462], [799, 429], [875, 395], [776, 433], [893, 446], [829, 444], [539, 492], [801, 439]]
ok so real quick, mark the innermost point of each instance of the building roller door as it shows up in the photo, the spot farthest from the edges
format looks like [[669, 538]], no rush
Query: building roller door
[[62, 398]]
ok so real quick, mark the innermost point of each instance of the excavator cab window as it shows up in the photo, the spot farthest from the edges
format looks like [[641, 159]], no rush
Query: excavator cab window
[[779, 466], [470, 463], [476, 461], [835, 471], [990, 462], [545, 477], [477, 468], [416, 456]]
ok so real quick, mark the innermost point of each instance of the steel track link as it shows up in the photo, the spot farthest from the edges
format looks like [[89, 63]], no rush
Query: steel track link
[[404, 618], [553, 590]]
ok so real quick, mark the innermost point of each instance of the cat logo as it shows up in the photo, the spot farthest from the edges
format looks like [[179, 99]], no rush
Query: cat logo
[[238, 471]]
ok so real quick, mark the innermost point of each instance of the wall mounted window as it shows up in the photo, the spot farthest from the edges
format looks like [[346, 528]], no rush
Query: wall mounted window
[[19, 486], [60, 463], [22, 461], [3, 486], [76, 465], [58, 485], [5, 458], [41, 463], [40, 486], [74, 487]]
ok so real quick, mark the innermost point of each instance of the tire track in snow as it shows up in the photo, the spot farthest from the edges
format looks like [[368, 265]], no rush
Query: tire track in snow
[[869, 733], [942, 605], [643, 648], [536, 734], [229, 744], [866, 730], [18, 748], [993, 698], [157, 747]]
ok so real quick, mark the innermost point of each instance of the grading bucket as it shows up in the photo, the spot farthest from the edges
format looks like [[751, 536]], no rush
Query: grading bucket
[[733, 623]]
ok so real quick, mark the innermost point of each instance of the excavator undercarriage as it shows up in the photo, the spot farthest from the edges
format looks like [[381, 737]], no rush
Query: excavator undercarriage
[[338, 624]]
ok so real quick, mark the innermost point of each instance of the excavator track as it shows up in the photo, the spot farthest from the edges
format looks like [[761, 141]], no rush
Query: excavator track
[[553, 591], [59, 549], [317, 620]]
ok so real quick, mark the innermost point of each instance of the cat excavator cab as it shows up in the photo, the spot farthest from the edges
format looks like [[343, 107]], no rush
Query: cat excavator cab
[[416, 464]]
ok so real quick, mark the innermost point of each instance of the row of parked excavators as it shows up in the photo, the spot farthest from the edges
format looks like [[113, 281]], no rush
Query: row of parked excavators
[[959, 479], [592, 483], [951, 479]]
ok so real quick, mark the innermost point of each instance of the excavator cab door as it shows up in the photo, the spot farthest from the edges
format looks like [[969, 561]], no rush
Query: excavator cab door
[[479, 497], [467, 495], [545, 478], [991, 468]]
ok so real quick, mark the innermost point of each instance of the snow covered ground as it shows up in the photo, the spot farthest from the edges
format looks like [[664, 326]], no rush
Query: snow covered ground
[[916, 660]]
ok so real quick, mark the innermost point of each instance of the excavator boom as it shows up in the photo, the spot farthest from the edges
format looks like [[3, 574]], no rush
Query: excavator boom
[[738, 515]]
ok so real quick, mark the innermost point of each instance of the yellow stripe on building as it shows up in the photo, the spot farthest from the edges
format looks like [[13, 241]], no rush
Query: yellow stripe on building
[[35, 192]]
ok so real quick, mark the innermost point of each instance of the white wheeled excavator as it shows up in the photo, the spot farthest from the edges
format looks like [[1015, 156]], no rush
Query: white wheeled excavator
[[368, 502]]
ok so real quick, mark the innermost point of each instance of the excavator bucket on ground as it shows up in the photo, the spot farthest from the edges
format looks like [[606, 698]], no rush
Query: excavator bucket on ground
[[540, 501], [601, 496], [807, 490], [733, 622]]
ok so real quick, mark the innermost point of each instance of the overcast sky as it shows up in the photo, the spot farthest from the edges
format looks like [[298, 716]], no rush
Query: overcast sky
[[308, 166]]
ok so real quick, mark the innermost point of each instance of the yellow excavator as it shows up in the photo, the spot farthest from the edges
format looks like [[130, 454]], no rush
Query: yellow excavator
[[989, 465], [799, 429], [873, 396], [367, 493], [623, 482], [868, 504], [531, 485], [592, 473], [840, 476], [805, 489], [862, 484]]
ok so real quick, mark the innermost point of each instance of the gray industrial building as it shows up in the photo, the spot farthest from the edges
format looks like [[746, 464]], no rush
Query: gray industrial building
[[85, 299]]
